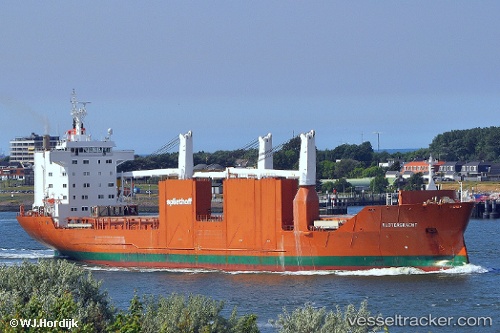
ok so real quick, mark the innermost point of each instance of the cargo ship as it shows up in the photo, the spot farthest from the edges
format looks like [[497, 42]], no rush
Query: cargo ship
[[270, 218]]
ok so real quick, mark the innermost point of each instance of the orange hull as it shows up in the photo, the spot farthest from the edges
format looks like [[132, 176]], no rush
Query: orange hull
[[267, 225]]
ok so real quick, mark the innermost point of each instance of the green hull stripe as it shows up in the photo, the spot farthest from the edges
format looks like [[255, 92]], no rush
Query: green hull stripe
[[142, 259]]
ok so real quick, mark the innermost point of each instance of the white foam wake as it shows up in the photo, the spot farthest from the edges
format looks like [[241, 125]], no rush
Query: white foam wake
[[145, 270], [383, 272], [465, 269], [391, 271]]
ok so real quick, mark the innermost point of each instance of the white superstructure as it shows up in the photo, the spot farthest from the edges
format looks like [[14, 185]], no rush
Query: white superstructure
[[79, 173]]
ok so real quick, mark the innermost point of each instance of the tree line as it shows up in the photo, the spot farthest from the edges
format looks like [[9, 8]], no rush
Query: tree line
[[346, 160], [481, 144]]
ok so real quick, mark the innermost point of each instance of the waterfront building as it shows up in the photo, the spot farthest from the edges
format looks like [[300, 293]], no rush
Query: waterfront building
[[22, 149], [475, 170]]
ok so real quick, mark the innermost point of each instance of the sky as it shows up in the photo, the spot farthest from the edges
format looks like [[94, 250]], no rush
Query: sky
[[231, 71]]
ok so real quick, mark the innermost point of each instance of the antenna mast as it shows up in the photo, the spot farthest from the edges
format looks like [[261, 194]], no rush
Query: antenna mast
[[78, 114]]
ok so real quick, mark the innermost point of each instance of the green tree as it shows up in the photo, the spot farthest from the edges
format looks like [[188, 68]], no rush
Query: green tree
[[364, 153], [395, 167], [469, 144], [420, 154], [327, 186], [287, 158], [326, 169], [343, 168], [357, 172], [379, 184], [415, 182], [373, 171], [342, 185]]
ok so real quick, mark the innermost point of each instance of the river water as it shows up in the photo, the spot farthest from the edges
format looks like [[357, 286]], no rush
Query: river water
[[471, 291]]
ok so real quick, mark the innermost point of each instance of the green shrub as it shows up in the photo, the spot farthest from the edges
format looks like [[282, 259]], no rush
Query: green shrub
[[52, 290], [197, 313], [130, 322], [176, 314], [308, 319]]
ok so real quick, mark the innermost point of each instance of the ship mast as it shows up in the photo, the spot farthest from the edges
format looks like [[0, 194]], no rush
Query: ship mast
[[78, 114], [431, 185]]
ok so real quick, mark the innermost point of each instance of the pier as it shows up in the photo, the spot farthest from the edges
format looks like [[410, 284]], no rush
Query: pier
[[488, 209]]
